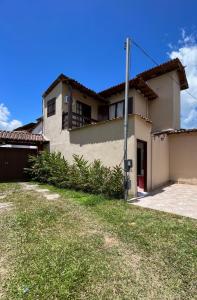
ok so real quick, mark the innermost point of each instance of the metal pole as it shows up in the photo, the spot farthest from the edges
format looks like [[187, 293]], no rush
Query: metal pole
[[128, 44]]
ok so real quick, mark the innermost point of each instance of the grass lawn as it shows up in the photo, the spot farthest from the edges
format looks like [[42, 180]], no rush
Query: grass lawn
[[87, 247]]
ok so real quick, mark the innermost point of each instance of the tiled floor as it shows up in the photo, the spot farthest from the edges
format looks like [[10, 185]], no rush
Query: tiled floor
[[180, 199]]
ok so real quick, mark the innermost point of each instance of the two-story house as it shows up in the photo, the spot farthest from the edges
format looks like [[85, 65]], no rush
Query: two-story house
[[77, 120]]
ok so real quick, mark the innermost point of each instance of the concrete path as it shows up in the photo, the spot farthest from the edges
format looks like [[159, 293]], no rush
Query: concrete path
[[45, 192], [5, 205], [180, 199]]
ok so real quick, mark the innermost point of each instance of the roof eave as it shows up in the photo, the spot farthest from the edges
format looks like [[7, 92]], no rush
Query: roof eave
[[74, 84]]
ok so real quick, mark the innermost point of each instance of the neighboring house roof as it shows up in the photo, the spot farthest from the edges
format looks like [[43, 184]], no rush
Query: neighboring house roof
[[137, 83], [20, 136], [171, 65], [74, 84], [30, 126], [175, 131], [27, 127]]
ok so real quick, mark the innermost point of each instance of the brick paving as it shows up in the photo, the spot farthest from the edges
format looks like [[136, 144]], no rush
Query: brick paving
[[180, 199]]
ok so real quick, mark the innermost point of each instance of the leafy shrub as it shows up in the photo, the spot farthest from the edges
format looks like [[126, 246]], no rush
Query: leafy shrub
[[93, 177]]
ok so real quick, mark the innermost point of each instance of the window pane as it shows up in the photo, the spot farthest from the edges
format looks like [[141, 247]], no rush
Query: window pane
[[112, 111], [120, 106], [51, 107]]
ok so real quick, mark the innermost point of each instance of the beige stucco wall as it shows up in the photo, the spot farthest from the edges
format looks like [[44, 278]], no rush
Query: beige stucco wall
[[165, 110], [160, 161], [183, 157], [52, 125], [140, 105], [120, 96]]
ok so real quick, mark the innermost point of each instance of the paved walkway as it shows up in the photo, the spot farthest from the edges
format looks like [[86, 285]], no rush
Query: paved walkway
[[180, 199], [45, 192]]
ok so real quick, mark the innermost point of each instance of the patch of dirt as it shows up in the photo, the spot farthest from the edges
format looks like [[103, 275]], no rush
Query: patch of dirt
[[110, 241]]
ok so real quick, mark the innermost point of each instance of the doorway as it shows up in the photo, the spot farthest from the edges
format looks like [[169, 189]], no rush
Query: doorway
[[13, 161], [141, 166]]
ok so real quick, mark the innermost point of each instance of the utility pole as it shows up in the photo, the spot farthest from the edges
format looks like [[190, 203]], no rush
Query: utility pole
[[126, 167]]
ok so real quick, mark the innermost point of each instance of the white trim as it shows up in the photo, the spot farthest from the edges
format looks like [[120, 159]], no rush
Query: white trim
[[18, 146]]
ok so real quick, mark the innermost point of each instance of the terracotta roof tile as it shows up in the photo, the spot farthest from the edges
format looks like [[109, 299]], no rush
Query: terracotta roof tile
[[137, 83], [171, 65], [74, 84], [21, 136], [174, 64], [174, 131]]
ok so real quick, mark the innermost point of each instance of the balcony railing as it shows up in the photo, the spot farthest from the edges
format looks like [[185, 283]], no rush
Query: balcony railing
[[76, 120]]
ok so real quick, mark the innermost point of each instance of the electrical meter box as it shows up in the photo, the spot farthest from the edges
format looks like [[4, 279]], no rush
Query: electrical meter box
[[128, 163]]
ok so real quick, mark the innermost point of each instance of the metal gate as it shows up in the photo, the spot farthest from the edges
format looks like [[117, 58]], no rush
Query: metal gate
[[13, 161]]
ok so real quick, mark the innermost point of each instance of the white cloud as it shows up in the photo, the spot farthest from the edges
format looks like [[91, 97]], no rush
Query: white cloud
[[5, 122], [187, 53]]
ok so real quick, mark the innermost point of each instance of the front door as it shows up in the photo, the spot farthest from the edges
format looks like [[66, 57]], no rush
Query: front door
[[141, 165]]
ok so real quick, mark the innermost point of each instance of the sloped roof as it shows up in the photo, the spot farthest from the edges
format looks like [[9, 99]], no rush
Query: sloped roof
[[137, 83], [27, 127], [21, 136], [171, 65], [74, 84], [30, 126], [175, 131]]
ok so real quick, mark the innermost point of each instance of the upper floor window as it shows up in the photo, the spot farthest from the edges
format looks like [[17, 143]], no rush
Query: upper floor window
[[84, 110], [116, 110], [51, 107]]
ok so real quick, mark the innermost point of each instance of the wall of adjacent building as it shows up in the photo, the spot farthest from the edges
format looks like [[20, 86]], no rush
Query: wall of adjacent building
[[183, 158], [39, 128]]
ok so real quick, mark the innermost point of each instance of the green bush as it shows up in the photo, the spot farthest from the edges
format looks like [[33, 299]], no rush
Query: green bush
[[93, 177]]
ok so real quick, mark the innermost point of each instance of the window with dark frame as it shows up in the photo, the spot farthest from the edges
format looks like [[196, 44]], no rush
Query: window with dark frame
[[116, 109], [51, 107], [83, 112]]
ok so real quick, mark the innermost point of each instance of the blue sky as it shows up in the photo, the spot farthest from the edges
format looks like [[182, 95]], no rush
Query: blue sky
[[85, 40]]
